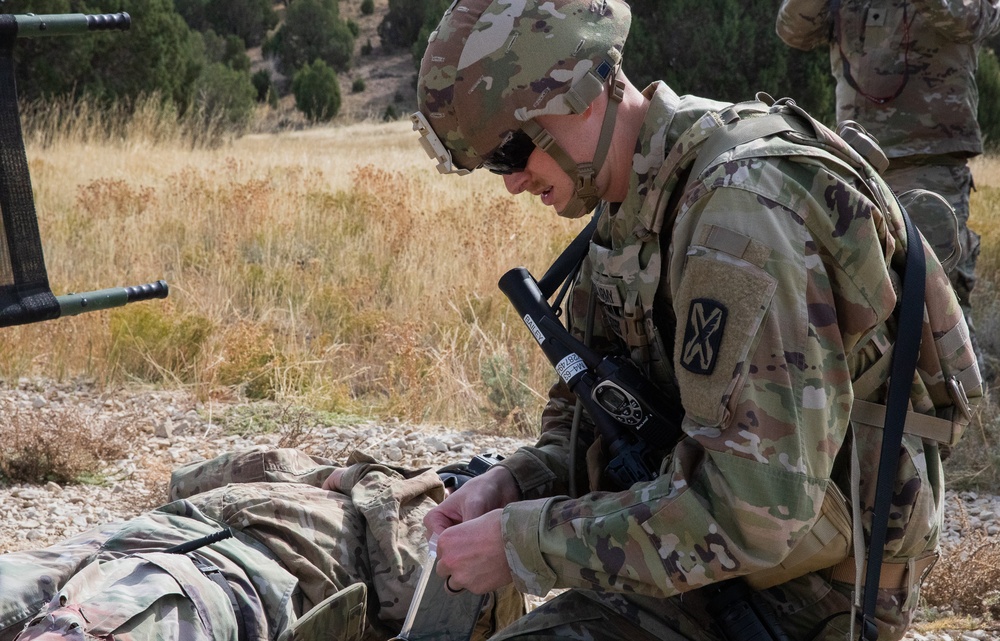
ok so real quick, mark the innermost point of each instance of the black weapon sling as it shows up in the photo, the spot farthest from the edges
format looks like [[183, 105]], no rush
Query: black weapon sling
[[904, 364], [560, 275]]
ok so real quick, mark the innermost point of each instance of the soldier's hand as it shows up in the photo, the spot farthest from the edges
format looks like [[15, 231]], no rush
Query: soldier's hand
[[490, 491], [471, 556], [332, 482]]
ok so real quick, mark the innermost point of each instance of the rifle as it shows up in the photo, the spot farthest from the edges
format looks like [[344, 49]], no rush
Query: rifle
[[630, 415], [25, 295]]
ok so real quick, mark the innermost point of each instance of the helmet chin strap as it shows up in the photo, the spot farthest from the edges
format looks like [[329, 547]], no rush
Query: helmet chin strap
[[584, 174]]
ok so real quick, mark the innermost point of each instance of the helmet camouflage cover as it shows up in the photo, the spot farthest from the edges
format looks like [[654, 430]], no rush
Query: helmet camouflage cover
[[492, 65]]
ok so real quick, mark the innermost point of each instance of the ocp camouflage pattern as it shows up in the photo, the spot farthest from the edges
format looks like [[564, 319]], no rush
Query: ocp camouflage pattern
[[768, 292], [295, 545], [462, 88], [912, 64]]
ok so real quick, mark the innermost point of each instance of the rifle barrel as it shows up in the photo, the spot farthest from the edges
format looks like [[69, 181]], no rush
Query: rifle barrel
[[73, 304], [30, 25]]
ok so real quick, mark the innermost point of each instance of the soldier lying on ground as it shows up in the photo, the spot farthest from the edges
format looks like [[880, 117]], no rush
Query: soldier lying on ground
[[302, 531]]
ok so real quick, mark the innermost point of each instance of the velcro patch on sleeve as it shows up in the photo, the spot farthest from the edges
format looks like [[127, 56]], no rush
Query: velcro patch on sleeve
[[725, 300]]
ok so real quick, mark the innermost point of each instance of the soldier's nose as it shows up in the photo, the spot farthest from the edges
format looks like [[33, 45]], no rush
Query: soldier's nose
[[516, 182]]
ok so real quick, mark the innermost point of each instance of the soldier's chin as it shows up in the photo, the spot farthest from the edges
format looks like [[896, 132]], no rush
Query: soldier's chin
[[575, 208]]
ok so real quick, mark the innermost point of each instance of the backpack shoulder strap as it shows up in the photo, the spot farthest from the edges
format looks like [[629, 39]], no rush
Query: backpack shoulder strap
[[743, 131]]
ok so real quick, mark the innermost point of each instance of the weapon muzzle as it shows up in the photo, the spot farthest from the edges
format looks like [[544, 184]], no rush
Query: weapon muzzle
[[29, 25]]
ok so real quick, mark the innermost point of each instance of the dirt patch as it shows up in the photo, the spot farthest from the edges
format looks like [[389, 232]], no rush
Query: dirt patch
[[389, 73]]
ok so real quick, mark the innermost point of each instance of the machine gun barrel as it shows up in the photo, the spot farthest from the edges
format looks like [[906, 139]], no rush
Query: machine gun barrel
[[29, 25], [72, 304]]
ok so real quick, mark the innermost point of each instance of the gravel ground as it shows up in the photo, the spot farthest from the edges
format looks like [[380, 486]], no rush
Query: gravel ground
[[177, 429]]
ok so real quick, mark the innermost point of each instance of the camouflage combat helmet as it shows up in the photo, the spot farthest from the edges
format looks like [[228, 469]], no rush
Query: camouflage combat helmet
[[492, 66]]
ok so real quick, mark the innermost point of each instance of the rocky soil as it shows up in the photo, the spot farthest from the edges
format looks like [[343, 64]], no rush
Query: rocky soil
[[175, 428]]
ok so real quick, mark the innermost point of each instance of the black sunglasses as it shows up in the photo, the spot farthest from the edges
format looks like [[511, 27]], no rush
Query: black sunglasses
[[512, 156]]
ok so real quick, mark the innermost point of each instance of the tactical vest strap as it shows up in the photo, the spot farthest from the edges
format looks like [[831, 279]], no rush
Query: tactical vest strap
[[245, 622], [923, 425], [893, 576], [744, 131]]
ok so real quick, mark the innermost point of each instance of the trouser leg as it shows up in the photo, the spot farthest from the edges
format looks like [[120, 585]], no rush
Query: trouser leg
[[952, 179]]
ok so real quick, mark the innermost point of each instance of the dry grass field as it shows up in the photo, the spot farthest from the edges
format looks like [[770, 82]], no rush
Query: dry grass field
[[335, 268], [331, 265]]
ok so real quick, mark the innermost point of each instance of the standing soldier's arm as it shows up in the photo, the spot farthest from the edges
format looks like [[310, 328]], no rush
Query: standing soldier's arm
[[962, 21], [805, 24]]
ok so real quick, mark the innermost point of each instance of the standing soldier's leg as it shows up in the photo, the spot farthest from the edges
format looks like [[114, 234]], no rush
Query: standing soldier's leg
[[952, 179]]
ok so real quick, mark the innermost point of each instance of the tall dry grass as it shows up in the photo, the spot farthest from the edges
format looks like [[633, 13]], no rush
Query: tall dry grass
[[975, 463], [334, 265]]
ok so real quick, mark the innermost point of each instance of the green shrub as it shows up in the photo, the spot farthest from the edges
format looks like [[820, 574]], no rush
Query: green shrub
[[226, 94], [358, 85], [248, 20], [367, 7], [262, 82], [151, 344], [312, 30], [158, 54], [726, 50], [353, 28], [316, 91], [402, 22]]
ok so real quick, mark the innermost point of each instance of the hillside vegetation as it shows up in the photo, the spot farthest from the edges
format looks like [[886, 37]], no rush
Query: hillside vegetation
[[265, 66], [332, 266]]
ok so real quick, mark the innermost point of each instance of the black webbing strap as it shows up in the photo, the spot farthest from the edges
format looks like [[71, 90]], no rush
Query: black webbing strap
[[569, 260], [904, 363], [244, 618], [25, 296], [245, 621]]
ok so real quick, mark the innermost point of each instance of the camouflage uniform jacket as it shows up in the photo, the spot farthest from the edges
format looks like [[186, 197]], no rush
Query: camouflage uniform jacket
[[905, 69], [295, 545], [774, 268]]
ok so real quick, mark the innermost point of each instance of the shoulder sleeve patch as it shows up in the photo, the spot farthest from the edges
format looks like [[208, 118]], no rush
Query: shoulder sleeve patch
[[706, 324], [723, 301]]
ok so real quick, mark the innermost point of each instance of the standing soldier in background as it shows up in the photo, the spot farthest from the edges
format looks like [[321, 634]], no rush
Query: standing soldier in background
[[743, 260], [906, 71]]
